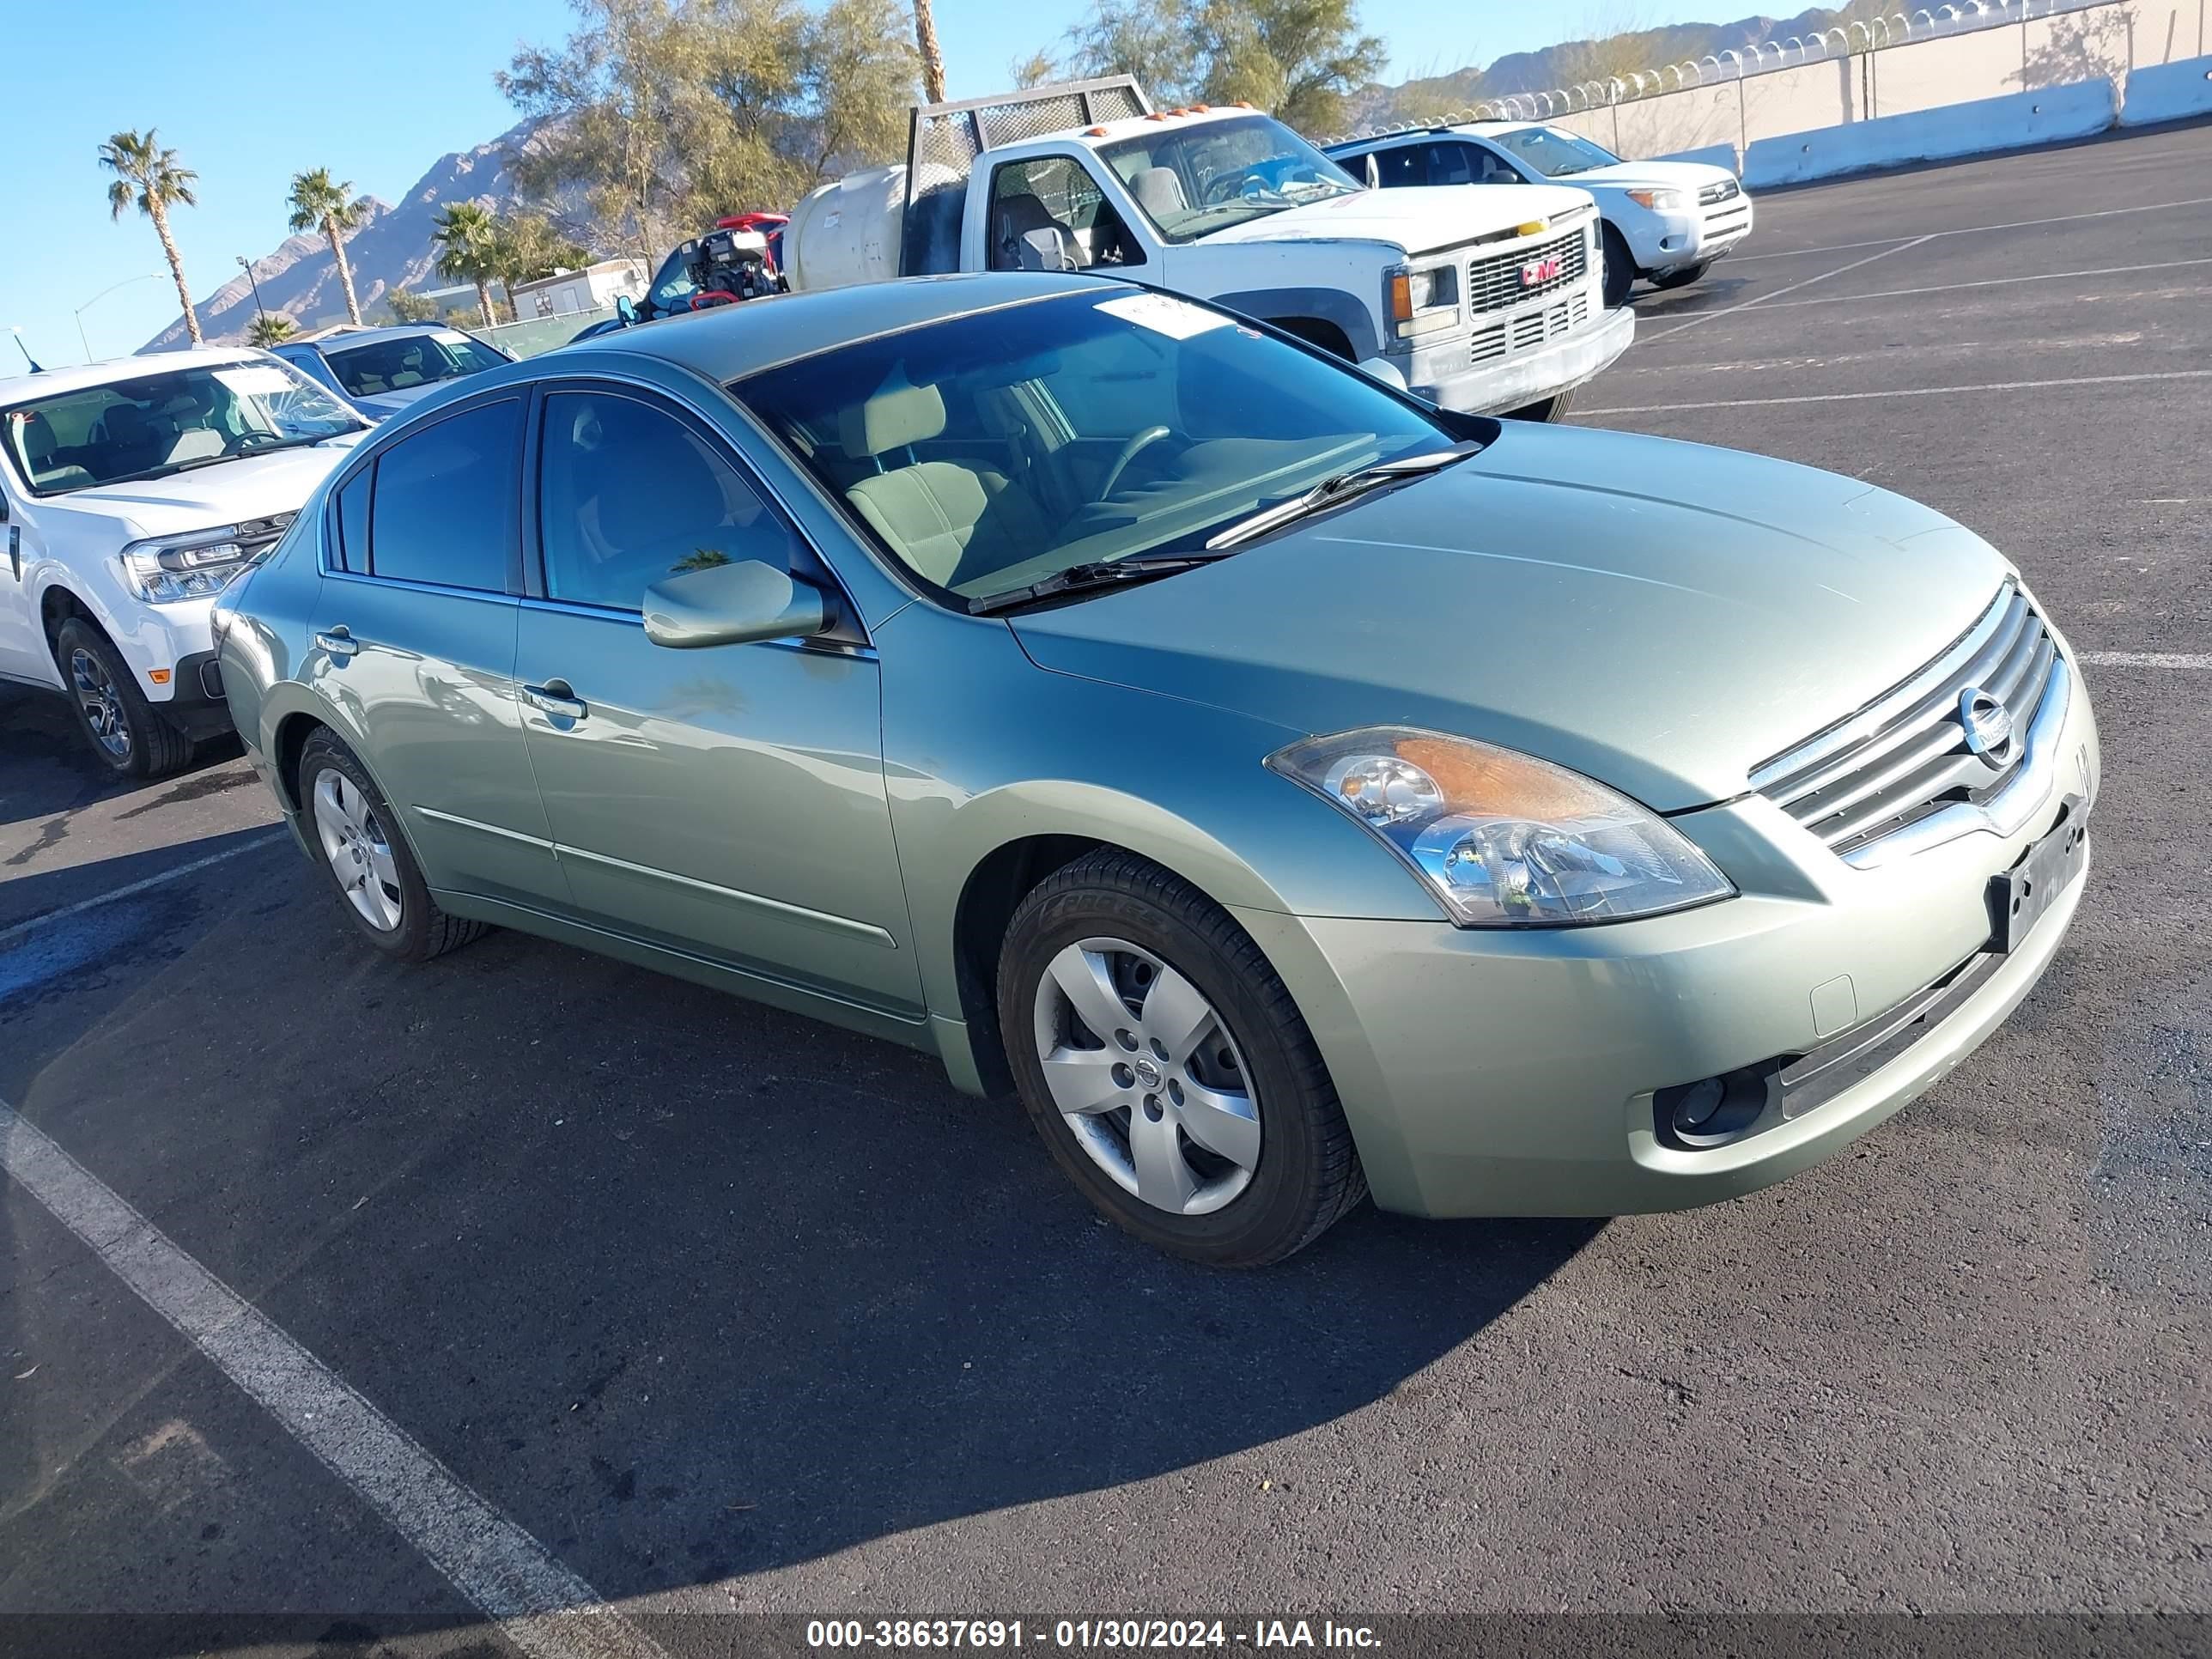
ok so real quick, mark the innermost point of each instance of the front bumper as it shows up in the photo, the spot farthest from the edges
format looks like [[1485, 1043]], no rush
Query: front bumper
[[195, 705], [1441, 373], [1663, 242], [1502, 1073]]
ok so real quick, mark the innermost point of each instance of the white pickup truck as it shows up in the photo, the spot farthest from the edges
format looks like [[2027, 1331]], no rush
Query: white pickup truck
[[1484, 302], [131, 494]]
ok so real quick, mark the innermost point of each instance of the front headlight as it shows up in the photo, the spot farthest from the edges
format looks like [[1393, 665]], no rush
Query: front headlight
[[1661, 201], [1504, 840], [170, 568]]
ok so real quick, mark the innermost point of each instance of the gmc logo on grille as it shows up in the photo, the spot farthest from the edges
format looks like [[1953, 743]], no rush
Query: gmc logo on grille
[[1540, 270]]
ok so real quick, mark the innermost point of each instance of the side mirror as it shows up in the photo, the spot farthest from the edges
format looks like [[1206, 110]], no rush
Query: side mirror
[[626, 309], [1382, 369], [732, 604]]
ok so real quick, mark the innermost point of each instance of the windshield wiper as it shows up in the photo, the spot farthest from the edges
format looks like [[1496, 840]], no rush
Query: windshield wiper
[[1337, 488], [1099, 573]]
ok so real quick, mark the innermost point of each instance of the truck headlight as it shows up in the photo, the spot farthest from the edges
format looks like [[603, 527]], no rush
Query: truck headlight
[[1503, 839], [1422, 300], [166, 570], [1661, 201]]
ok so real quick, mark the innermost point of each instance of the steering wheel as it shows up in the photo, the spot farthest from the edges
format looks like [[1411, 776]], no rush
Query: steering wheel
[[1249, 182], [1150, 436]]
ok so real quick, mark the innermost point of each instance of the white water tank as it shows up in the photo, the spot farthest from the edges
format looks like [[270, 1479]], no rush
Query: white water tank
[[848, 231]]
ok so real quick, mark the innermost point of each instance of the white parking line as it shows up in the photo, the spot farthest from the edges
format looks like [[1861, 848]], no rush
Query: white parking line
[[1907, 391], [1970, 230], [505, 1573], [1765, 299], [1954, 287], [9, 935], [2146, 660]]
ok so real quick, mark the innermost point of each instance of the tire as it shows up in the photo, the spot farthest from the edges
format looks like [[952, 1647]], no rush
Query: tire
[[126, 733], [1287, 1180], [1553, 408], [354, 827], [1684, 278], [1619, 275]]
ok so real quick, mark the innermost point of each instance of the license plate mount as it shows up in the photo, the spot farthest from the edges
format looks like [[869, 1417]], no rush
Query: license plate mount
[[2019, 897]]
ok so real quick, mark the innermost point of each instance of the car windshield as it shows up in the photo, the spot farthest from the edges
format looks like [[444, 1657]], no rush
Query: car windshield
[[1555, 153], [167, 420], [991, 451], [410, 360], [1192, 180]]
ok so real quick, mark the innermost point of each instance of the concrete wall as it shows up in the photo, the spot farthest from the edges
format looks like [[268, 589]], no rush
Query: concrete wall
[[1817, 105], [2168, 92]]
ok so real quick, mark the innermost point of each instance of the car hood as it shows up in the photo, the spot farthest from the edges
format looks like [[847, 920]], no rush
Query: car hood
[[1660, 616], [251, 486], [1651, 175], [1421, 219]]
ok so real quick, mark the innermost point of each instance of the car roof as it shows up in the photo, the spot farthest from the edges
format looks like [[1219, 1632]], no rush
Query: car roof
[[52, 382], [727, 343], [1386, 140]]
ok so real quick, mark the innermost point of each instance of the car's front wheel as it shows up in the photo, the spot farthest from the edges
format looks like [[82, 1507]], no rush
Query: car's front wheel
[[368, 859], [1168, 1069], [1617, 273], [125, 732]]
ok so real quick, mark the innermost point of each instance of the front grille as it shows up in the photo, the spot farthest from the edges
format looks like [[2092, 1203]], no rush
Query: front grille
[[256, 534], [1713, 194], [1487, 343], [1728, 222], [1530, 329], [1905, 755], [1496, 284]]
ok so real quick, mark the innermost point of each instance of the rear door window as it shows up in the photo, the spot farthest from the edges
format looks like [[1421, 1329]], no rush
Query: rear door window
[[443, 506], [1408, 164]]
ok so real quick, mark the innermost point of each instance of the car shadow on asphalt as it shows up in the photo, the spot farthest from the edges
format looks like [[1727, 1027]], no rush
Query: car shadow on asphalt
[[47, 771], [687, 1286]]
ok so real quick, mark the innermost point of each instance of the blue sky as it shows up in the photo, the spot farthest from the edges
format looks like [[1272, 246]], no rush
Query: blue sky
[[251, 94]]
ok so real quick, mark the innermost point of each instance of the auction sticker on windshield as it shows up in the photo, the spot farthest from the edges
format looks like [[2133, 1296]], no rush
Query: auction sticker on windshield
[[255, 380], [1163, 315]]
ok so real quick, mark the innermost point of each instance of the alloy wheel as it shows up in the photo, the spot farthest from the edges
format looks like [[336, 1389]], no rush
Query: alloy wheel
[[1147, 1076], [101, 703], [359, 851]]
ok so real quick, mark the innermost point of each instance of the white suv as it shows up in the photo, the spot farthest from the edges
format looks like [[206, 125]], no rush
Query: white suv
[[131, 494]]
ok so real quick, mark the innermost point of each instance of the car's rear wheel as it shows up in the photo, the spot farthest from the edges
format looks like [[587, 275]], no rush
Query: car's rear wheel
[[1684, 278], [1617, 269], [1168, 1069], [368, 860], [127, 734]]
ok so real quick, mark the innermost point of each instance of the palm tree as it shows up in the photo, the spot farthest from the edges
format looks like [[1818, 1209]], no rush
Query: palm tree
[[467, 237], [933, 60], [269, 328], [319, 204], [138, 159]]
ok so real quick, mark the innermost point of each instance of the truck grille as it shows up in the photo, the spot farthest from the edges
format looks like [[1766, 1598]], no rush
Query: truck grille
[[1905, 755], [1497, 283], [1529, 329]]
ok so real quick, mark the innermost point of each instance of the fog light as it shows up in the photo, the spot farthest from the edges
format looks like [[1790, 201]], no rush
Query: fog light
[[1715, 1111]]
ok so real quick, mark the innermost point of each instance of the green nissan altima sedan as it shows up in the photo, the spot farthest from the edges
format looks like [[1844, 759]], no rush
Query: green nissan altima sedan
[[1291, 791]]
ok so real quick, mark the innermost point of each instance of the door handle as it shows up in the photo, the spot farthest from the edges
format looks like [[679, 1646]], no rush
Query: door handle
[[555, 697], [339, 643]]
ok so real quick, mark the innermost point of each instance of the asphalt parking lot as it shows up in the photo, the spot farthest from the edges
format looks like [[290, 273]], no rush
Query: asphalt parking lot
[[729, 1312]]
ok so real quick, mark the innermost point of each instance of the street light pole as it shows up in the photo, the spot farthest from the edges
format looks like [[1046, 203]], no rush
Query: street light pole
[[151, 276], [259, 310]]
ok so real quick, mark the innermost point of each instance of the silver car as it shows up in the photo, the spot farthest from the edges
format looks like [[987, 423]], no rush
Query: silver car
[[380, 371], [1290, 791]]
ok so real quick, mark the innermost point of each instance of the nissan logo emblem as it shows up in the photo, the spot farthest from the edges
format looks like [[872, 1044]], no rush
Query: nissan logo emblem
[[1988, 726]]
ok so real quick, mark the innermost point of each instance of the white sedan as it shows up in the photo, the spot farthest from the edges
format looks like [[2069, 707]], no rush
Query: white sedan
[[1666, 221]]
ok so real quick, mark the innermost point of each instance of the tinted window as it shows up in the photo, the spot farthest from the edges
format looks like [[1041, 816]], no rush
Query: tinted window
[[444, 509], [410, 360], [1406, 164], [352, 550], [629, 493], [1451, 164]]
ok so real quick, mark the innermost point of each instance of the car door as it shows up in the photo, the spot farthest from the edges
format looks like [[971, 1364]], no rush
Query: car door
[[23, 653], [414, 648], [729, 801]]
